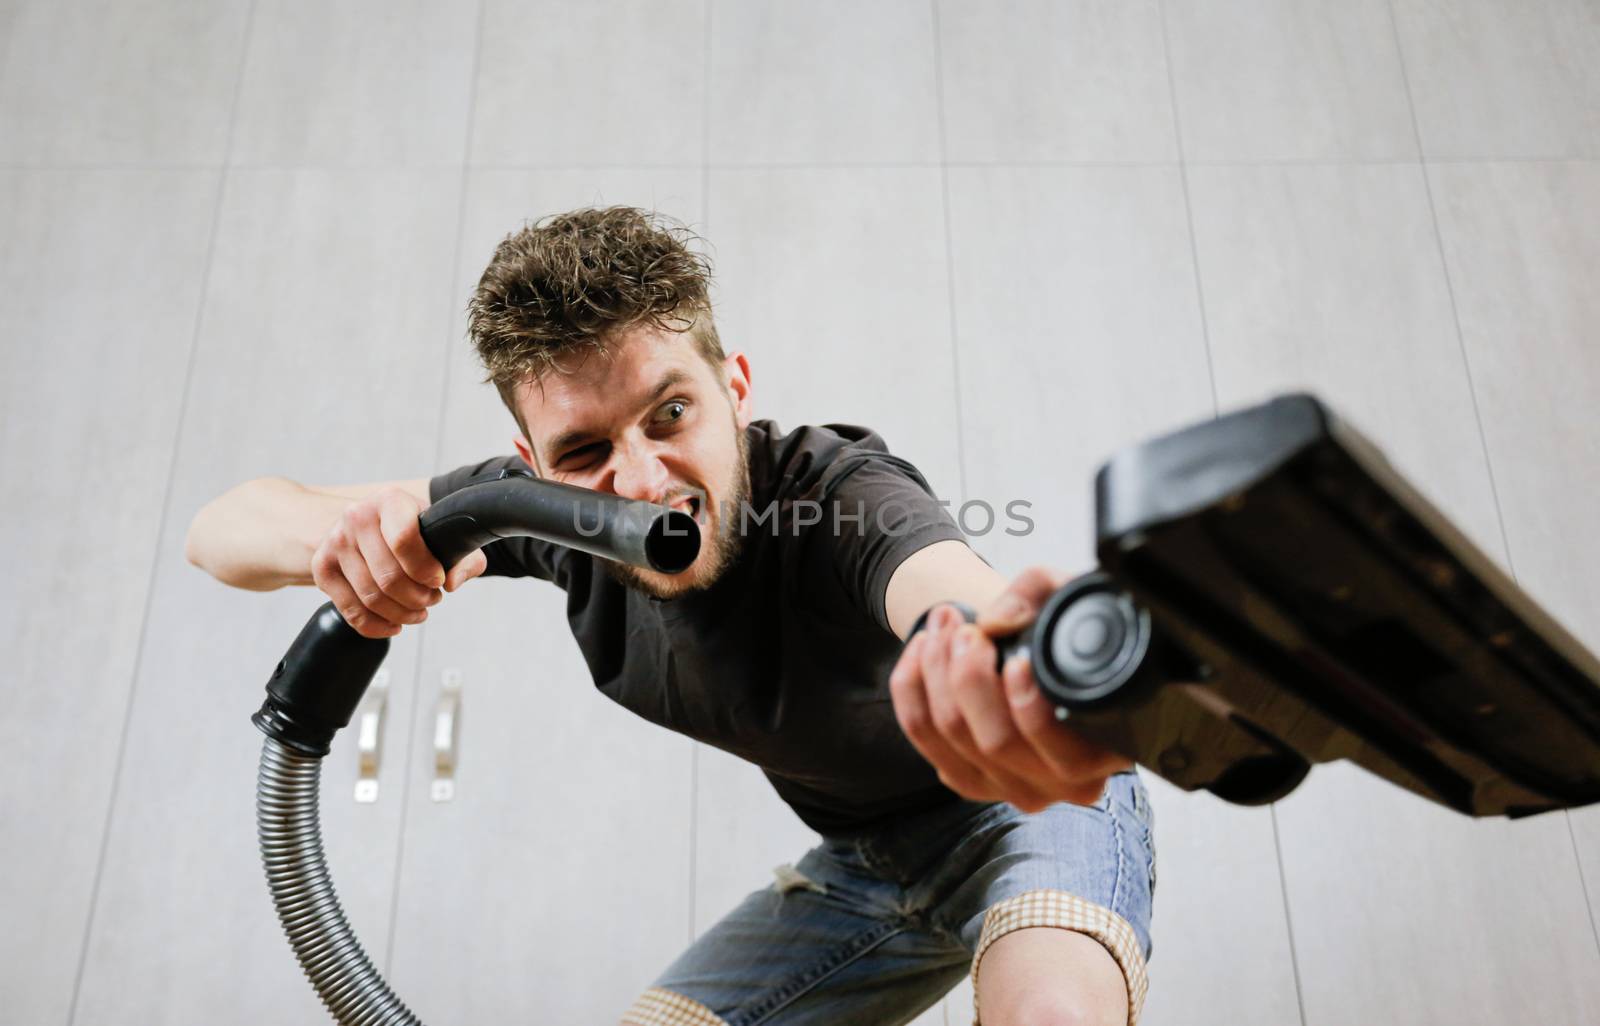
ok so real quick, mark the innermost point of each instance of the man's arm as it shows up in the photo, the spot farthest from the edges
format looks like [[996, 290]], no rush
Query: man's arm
[[360, 544], [261, 535], [991, 735], [947, 571]]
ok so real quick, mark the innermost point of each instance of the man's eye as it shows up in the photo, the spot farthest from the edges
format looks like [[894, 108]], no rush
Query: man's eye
[[577, 459], [677, 409]]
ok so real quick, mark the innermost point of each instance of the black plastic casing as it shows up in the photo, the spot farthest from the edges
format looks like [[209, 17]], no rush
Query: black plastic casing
[[316, 687], [1336, 613]]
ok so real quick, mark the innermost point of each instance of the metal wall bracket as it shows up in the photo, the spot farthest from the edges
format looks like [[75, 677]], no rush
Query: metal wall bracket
[[446, 737], [369, 736]]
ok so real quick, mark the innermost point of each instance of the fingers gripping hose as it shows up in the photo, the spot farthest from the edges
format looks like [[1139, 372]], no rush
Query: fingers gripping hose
[[297, 874]]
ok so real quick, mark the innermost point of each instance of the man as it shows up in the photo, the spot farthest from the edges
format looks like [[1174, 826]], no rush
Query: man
[[963, 828]]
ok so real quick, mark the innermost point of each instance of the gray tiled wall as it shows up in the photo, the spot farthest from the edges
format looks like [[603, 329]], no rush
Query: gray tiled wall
[[236, 239]]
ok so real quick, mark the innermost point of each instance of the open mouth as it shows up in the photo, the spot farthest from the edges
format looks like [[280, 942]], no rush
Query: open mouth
[[691, 505]]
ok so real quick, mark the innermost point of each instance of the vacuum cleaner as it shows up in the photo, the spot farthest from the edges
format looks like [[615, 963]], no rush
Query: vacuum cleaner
[[1271, 594], [316, 687]]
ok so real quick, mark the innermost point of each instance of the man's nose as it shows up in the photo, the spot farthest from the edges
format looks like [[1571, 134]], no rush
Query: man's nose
[[641, 476]]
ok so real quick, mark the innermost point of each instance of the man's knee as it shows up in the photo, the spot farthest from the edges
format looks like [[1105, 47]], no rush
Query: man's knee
[[1065, 1006], [1080, 961], [1048, 976]]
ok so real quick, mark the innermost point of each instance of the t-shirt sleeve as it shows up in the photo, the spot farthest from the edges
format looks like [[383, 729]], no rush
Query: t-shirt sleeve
[[509, 557], [877, 509]]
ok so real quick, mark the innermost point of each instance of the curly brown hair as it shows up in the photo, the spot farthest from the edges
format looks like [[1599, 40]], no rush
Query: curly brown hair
[[571, 281]]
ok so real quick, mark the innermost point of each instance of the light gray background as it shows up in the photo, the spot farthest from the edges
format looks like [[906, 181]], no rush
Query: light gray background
[[236, 239]]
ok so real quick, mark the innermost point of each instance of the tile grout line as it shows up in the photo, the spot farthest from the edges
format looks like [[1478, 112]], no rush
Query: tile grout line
[[949, 244], [1188, 213], [705, 225], [793, 165], [161, 528], [1288, 916], [1583, 881], [1450, 290], [1216, 401], [438, 457], [1472, 392]]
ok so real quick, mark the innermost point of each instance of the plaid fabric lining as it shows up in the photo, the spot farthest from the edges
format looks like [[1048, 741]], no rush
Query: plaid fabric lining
[[1069, 912], [657, 1007]]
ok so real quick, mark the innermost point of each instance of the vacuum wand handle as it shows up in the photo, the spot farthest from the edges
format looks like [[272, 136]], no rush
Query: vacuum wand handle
[[316, 687], [512, 503]]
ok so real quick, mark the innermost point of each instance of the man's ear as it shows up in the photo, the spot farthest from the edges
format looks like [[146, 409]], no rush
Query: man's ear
[[736, 370], [526, 452]]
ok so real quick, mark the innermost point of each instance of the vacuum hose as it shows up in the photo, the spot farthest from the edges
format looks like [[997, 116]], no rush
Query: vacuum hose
[[297, 873], [318, 684]]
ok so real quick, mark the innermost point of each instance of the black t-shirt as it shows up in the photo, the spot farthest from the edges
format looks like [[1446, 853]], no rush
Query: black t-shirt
[[785, 660]]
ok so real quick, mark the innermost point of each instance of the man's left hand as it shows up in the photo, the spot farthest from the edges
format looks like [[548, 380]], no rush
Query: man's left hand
[[994, 736]]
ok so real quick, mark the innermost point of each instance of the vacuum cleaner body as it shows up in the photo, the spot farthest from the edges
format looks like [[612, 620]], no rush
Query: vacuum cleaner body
[[1284, 597]]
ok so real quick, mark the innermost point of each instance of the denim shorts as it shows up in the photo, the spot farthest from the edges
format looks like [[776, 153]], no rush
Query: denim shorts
[[873, 928]]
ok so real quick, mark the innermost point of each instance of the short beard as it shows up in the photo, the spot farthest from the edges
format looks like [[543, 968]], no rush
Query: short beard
[[726, 541]]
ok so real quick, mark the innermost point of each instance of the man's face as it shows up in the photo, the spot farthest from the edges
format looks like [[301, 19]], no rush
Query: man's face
[[652, 422]]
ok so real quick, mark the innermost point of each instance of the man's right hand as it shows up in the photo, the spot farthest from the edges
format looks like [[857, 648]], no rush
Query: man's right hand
[[378, 571]]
